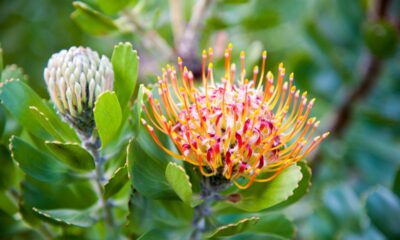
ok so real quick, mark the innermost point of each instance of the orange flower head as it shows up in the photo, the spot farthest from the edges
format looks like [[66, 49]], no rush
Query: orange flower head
[[248, 129]]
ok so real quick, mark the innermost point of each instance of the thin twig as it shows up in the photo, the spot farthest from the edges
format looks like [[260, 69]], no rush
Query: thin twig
[[93, 146], [189, 39]]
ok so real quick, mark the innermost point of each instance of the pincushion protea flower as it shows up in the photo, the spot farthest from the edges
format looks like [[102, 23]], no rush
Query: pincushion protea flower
[[75, 78], [246, 129]]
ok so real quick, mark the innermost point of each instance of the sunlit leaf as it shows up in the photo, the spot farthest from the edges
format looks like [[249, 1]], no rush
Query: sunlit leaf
[[179, 181], [264, 195], [125, 63], [234, 228], [111, 7], [108, 116]]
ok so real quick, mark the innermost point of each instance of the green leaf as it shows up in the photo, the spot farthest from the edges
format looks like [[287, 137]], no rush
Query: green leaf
[[42, 195], [92, 21], [148, 172], [260, 196], [274, 225], [13, 72], [72, 154], [396, 183], [234, 228], [1, 62], [153, 235], [19, 99], [343, 204], [146, 214], [381, 38], [301, 190], [383, 208], [7, 169], [179, 181], [108, 116], [7, 203], [235, 1], [80, 218], [3, 121], [37, 164], [116, 182], [125, 63], [112, 7]]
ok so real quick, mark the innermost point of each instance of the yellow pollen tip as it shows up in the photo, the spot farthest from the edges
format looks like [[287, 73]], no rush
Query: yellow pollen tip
[[210, 50], [291, 75], [230, 46], [270, 75], [264, 54], [242, 54], [210, 65]]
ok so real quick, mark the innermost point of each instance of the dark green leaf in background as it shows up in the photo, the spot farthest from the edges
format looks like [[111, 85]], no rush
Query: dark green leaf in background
[[396, 183], [383, 208], [7, 169], [45, 196]]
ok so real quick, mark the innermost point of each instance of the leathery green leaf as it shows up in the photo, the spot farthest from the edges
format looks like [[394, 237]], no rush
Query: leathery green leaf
[[125, 63], [108, 116], [264, 195], [179, 181], [19, 99], [37, 164], [234, 228], [72, 154], [79, 218], [116, 182]]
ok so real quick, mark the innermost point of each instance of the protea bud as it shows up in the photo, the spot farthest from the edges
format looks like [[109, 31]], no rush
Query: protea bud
[[75, 78]]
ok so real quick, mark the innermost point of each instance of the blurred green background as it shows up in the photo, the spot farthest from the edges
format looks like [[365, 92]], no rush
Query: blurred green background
[[345, 53]]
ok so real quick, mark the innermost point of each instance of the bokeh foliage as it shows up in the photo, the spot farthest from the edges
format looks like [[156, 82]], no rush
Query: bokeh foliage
[[327, 44]]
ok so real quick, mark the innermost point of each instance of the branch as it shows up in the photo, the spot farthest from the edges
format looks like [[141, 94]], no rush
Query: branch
[[189, 41]]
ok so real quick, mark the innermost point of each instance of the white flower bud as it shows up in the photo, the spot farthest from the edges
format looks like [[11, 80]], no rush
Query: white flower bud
[[75, 78]]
